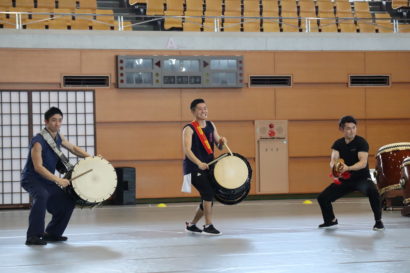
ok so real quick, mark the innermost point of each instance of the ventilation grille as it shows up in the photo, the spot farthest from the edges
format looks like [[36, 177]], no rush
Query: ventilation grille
[[86, 81], [270, 80], [366, 80]]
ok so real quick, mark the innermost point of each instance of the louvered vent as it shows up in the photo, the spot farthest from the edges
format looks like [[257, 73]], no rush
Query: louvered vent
[[369, 80], [270, 81], [86, 81]]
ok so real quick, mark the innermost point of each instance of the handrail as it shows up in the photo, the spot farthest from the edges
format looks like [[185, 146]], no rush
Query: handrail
[[217, 19]]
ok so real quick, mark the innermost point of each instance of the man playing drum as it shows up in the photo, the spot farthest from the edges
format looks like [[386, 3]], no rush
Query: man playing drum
[[44, 187], [355, 176], [198, 139]]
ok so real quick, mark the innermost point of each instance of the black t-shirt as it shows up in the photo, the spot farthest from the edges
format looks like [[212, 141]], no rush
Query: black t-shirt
[[350, 154]]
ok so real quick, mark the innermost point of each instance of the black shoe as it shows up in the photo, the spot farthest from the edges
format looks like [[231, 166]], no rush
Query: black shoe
[[192, 228], [54, 238], [329, 224], [210, 230], [35, 241], [378, 225]]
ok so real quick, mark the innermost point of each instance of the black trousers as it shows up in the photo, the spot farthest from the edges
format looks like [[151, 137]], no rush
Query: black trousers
[[202, 182], [52, 198], [334, 192]]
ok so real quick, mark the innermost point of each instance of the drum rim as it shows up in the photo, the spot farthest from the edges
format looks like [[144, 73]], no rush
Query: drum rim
[[405, 162], [393, 147], [81, 195], [248, 180], [237, 200]]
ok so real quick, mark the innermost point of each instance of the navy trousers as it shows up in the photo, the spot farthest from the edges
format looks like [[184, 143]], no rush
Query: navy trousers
[[52, 198]]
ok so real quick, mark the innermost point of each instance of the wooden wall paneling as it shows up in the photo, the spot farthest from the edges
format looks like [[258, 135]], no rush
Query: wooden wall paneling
[[388, 103], [396, 64], [37, 66], [232, 104], [382, 132], [125, 105], [319, 67], [312, 138], [156, 179], [309, 175], [319, 102], [258, 64], [140, 141], [240, 136]]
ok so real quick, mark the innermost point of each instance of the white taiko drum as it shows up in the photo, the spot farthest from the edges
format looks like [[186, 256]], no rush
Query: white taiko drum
[[93, 180], [231, 177]]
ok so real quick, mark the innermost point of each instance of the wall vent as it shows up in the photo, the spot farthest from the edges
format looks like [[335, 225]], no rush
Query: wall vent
[[369, 80], [86, 81], [270, 81]]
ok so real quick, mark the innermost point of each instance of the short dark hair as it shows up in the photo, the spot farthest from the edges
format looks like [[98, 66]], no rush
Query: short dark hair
[[195, 102], [346, 119], [51, 112]]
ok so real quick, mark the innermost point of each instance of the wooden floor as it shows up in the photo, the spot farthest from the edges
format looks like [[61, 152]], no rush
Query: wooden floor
[[258, 236]]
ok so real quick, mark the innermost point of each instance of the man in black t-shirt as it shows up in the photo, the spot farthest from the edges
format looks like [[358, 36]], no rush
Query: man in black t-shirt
[[353, 149]]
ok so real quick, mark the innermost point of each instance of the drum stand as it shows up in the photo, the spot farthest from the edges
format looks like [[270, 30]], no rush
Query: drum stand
[[405, 211], [392, 200]]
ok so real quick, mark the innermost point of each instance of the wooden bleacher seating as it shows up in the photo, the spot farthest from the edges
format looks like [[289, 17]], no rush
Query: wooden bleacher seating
[[307, 9], [325, 7], [212, 8], [194, 8], [328, 25], [270, 26], [50, 4], [155, 7], [87, 4], [366, 26], [399, 3], [25, 3], [383, 22], [314, 27], [361, 6], [343, 7], [6, 3], [252, 9], [232, 9], [347, 26], [289, 23], [62, 25], [67, 4], [193, 23], [289, 6]]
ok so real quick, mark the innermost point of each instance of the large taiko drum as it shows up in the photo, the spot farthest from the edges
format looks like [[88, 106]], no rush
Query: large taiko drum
[[389, 159], [405, 180], [93, 180], [231, 178]]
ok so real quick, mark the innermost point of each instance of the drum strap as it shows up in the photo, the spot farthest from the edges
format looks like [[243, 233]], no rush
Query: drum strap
[[202, 137], [63, 159]]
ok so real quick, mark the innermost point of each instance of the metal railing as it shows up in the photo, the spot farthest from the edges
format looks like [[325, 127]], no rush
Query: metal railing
[[217, 21]]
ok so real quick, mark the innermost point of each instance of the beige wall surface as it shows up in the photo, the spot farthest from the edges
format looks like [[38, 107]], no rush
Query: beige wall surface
[[142, 128]]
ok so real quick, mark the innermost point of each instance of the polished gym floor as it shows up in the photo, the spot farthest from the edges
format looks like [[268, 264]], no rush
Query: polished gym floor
[[258, 236]]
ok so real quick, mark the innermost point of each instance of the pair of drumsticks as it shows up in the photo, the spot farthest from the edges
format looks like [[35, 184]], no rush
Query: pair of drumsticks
[[219, 158]]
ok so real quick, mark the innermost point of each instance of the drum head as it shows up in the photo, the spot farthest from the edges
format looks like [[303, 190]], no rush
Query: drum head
[[231, 172], [98, 184]]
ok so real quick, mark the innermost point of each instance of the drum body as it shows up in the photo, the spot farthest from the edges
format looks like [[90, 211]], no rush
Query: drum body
[[94, 180], [389, 159], [231, 178], [405, 180]]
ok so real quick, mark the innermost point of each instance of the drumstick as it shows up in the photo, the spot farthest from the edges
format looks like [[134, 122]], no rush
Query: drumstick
[[228, 148], [81, 174], [216, 160]]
